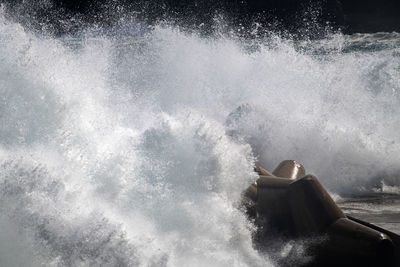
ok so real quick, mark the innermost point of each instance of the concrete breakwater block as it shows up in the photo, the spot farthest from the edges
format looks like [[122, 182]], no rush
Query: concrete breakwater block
[[295, 205]]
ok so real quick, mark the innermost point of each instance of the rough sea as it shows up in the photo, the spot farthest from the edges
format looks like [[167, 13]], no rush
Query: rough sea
[[132, 146]]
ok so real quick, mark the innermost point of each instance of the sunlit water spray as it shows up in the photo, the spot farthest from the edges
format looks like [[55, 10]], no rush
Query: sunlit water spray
[[126, 150]]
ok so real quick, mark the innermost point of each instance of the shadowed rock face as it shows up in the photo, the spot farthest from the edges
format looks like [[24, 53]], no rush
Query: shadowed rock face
[[290, 15]]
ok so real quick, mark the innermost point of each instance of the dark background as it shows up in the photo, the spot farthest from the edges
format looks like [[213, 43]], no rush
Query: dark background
[[348, 16]]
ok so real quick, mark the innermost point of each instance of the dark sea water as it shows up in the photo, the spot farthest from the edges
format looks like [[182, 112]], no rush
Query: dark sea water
[[132, 146], [381, 209]]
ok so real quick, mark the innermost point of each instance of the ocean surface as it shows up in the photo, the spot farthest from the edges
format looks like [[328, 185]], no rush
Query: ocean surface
[[131, 146]]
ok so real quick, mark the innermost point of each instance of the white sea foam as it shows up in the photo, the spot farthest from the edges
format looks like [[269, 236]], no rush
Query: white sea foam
[[131, 150]]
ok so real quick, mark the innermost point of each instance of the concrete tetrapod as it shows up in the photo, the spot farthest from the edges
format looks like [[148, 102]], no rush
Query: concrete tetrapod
[[296, 205]]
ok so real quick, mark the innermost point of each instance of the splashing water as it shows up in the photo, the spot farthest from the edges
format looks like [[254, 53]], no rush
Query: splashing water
[[133, 150]]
